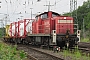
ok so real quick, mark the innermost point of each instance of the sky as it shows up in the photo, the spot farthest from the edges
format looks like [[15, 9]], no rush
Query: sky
[[14, 10]]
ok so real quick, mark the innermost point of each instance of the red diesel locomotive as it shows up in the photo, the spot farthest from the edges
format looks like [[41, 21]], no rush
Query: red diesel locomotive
[[47, 29], [50, 28]]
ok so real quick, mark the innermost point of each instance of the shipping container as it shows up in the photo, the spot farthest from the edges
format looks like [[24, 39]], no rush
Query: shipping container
[[24, 27], [7, 29]]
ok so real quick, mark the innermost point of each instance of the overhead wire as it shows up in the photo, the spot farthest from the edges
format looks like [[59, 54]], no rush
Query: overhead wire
[[53, 4], [56, 2], [19, 4], [33, 3]]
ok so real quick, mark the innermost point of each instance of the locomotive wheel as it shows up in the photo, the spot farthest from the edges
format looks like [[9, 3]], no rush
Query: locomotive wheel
[[4, 40], [15, 42], [22, 41]]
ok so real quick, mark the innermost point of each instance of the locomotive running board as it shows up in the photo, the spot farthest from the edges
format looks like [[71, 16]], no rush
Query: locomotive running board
[[38, 34]]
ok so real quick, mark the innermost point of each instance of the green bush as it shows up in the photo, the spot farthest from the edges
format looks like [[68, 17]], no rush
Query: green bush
[[10, 53]]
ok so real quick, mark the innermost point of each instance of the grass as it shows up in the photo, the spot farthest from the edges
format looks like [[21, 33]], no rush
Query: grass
[[76, 55], [85, 40], [10, 53]]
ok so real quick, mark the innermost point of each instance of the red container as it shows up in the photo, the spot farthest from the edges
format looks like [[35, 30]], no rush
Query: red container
[[13, 29], [24, 27]]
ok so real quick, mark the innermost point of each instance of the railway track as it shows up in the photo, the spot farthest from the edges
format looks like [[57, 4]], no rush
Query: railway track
[[84, 47], [40, 54], [36, 54]]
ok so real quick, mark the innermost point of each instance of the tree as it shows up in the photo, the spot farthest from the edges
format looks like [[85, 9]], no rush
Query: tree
[[87, 21]]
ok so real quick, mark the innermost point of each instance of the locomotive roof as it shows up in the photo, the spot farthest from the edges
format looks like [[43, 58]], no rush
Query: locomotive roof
[[47, 12]]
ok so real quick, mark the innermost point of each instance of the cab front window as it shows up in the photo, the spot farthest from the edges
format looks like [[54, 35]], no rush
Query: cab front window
[[44, 16]]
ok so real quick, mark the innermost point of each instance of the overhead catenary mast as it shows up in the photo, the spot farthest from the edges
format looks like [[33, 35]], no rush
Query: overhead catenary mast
[[71, 6], [31, 12], [73, 11], [49, 6]]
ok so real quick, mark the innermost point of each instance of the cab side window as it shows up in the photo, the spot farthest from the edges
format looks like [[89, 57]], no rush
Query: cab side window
[[53, 15]]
